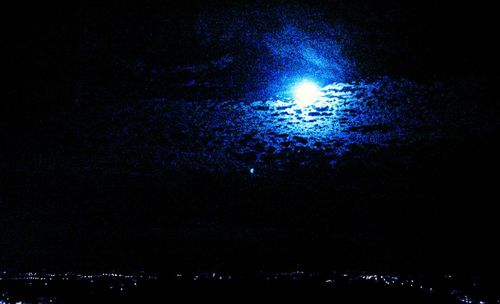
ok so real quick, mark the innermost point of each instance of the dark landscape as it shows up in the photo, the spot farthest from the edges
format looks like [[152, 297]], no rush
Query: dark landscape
[[315, 151]]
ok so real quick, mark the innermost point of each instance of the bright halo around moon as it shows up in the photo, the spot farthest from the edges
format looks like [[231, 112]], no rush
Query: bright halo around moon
[[306, 93]]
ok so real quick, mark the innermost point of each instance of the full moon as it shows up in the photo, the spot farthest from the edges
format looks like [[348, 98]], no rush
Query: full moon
[[306, 93]]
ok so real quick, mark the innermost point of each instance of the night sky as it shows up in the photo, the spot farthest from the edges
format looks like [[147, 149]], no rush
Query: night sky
[[168, 137]]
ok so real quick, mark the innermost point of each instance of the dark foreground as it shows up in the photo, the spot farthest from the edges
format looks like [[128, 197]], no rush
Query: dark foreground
[[262, 287]]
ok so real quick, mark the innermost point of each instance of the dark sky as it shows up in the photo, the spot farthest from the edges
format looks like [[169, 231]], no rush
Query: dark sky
[[78, 77]]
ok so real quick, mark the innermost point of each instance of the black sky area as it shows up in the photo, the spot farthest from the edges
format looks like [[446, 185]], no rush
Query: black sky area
[[56, 47], [430, 206]]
